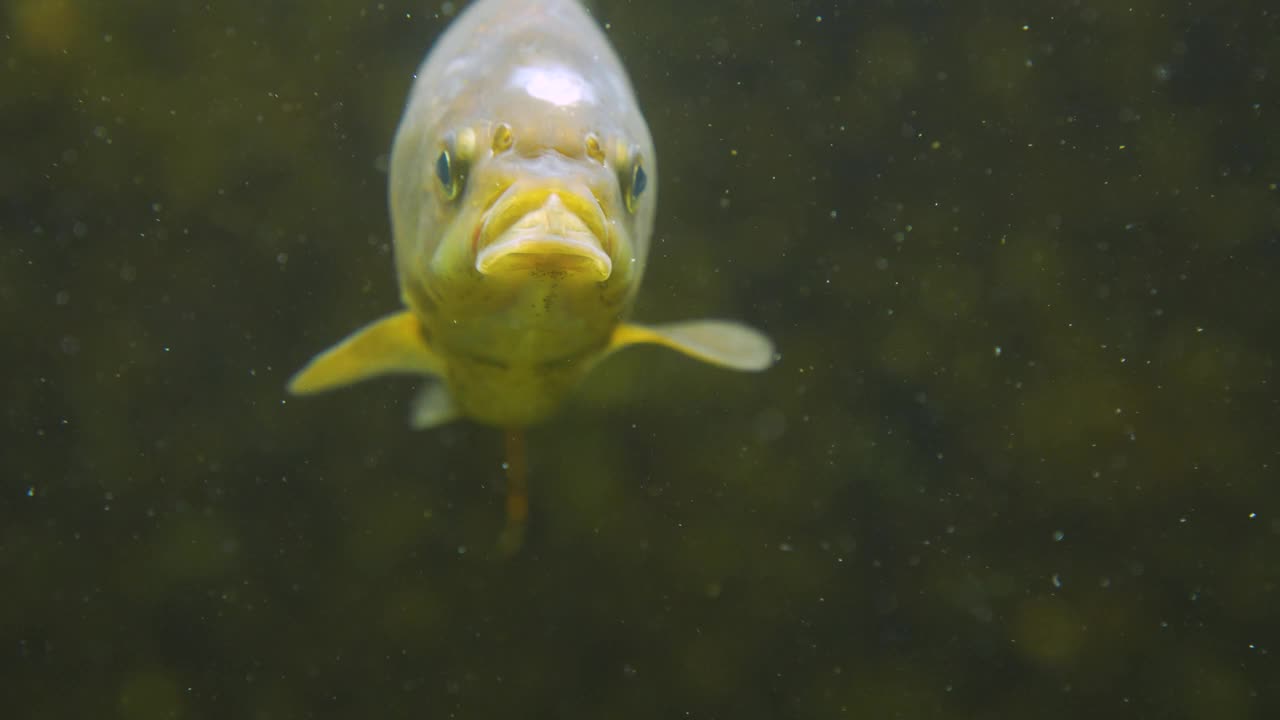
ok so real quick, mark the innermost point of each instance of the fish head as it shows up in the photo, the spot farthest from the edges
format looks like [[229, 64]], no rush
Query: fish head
[[545, 195]]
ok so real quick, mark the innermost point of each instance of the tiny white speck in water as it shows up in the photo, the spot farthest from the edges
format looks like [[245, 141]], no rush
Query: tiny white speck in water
[[1057, 581], [31, 491], [1058, 535]]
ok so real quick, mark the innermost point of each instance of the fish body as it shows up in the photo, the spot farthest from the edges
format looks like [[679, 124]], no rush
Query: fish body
[[523, 188]]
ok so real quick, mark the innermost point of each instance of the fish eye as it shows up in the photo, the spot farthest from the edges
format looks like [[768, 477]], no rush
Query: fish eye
[[639, 180], [447, 175]]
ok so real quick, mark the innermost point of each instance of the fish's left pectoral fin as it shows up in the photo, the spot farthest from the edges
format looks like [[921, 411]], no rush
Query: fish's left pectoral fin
[[393, 344], [720, 342]]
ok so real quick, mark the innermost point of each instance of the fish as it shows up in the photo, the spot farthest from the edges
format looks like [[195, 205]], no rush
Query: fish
[[522, 189]]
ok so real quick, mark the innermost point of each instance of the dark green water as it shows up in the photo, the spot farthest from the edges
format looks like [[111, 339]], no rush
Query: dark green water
[[1018, 459]]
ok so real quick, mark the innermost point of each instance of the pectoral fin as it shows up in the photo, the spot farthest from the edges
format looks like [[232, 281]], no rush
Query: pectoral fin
[[719, 342], [393, 344]]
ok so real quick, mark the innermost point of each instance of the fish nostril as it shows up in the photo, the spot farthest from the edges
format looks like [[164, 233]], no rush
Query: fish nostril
[[502, 138]]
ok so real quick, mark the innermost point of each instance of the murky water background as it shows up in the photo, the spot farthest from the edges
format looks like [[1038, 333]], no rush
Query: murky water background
[[1018, 459]]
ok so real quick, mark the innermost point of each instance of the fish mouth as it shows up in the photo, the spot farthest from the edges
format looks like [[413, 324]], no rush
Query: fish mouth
[[544, 230]]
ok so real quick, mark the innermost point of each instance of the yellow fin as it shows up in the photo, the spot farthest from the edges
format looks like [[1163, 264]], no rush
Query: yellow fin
[[393, 344], [719, 342]]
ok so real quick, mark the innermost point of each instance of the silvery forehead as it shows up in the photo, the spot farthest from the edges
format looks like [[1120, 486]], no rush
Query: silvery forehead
[[551, 81], [501, 57], [545, 103]]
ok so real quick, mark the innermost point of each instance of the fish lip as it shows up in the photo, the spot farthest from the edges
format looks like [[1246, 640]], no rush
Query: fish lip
[[523, 250], [548, 229]]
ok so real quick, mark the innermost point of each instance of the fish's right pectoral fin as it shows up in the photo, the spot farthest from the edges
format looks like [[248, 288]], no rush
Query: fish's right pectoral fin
[[720, 342], [393, 344]]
